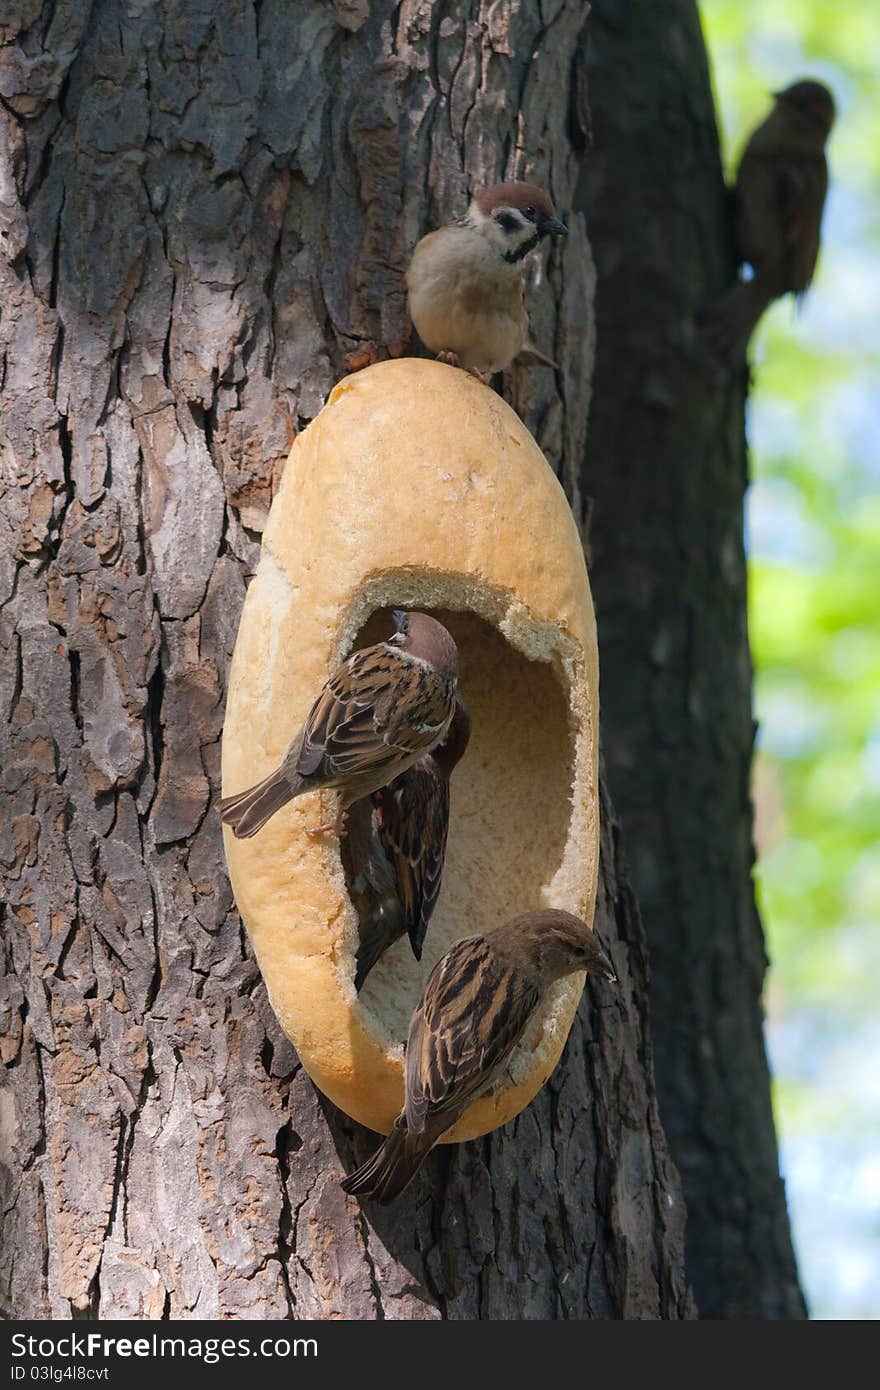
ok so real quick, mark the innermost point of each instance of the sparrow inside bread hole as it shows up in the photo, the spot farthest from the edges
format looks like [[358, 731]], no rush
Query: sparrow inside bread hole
[[509, 809]]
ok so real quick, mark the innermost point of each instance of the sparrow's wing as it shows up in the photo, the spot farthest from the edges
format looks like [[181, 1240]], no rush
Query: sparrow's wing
[[372, 887], [760, 230], [471, 1016], [780, 200], [412, 815], [369, 872], [376, 709], [803, 184]]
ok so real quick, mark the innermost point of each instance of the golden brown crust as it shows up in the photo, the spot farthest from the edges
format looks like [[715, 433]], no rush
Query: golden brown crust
[[416, 486]]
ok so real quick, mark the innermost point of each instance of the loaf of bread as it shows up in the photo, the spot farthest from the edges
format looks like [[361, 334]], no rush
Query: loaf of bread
[[418, 487]]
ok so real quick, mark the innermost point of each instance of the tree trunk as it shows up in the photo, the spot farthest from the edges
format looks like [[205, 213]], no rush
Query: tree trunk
[[206, 212], [666, 470]]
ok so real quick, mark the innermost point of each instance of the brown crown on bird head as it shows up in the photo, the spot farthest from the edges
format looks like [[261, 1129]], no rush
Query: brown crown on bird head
[[558, 943], [809, 99], [530, 201], [423, 637]]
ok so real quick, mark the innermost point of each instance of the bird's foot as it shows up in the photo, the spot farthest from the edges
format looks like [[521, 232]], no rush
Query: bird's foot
[[451, 359], [331, 827]]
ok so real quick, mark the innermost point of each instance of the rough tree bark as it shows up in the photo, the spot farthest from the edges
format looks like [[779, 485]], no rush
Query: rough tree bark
[[666, 470], [206, 209]]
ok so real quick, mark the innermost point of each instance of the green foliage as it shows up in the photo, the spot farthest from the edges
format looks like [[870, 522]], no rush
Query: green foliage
[[814, 540]]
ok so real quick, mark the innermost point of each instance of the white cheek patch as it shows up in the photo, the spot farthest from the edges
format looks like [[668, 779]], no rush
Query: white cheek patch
[[408, 656]]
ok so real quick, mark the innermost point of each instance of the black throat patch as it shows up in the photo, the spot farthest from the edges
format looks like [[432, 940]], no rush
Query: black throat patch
[[513, 256]]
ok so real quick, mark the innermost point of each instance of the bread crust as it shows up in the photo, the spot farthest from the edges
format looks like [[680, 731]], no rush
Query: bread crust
[[416, 486]]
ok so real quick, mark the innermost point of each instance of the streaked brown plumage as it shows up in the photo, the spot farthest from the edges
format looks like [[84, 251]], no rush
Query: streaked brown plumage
[[466, 292], [382, 710], [372, 887], [781, 185], [475, 1007], [402, 858]]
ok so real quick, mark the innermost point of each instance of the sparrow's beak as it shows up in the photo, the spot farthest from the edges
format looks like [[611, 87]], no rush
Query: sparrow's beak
[[551, 226], [604, 968]]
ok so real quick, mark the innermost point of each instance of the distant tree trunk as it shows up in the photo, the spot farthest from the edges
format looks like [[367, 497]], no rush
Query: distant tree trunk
[[206, 211], [666, 469]]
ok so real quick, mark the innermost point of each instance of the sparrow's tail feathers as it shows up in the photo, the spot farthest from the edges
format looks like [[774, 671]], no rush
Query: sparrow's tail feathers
[[392, 1167], [529, 355], [247, 812], [377, 932], [417, 933], [729, 321]]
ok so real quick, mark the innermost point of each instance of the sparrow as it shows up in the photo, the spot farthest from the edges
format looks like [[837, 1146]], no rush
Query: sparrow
[[780, 193], [372, 887], [404, 853], [382, 710], [476, 1005], [465, 281]]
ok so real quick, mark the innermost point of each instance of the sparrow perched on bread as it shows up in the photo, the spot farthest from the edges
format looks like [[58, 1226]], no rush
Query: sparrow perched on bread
[[466, 290], [402, 858], [475, 1007], [382, 710], [780, 193]]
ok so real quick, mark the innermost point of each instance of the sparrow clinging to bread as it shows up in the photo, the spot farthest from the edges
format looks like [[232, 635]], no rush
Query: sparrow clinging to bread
[[780, 193], [372, 887], [382, 710], [476, 1004], [410, 822], [465, 281]]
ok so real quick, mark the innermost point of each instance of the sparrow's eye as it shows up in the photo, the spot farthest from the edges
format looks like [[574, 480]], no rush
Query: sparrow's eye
[[530, 213]]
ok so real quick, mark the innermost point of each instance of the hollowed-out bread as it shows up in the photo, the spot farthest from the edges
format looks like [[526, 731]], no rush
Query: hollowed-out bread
[[418, 487]]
